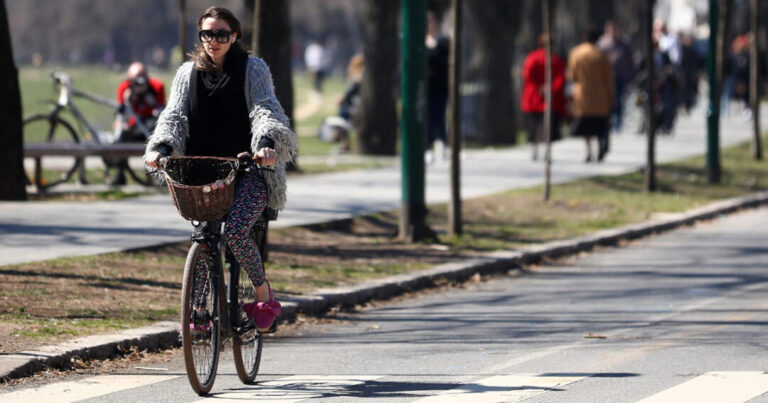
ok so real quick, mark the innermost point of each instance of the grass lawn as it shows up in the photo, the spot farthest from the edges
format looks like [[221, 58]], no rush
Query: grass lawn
[[37, 90], [520, 217]]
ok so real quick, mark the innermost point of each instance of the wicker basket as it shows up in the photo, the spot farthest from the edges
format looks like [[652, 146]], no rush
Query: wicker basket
[[202, 188]]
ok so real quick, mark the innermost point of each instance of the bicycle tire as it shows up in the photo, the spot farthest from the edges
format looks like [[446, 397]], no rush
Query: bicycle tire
[[56, 130], [246, 347], [201, 346]]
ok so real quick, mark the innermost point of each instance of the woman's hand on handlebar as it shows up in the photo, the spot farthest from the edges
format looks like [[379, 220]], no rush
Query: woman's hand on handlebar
[[266, 157], [152, 159]]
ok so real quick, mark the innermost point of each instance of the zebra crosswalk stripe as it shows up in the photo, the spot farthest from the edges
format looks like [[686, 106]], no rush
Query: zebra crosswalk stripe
[[718, 387], [721, 387], [502, 388], [63, 392], [293, 388]]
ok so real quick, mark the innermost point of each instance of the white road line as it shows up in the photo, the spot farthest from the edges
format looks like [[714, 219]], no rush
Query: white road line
[[721, 387], [83, 389], [502, 388], [291, 389]]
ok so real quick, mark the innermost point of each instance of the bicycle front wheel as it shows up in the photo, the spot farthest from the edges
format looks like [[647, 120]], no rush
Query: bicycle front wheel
[[247, 342], [200, 313], [51, 129]]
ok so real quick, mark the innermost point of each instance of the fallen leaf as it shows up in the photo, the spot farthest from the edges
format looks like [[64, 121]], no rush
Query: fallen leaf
[[594, 336]]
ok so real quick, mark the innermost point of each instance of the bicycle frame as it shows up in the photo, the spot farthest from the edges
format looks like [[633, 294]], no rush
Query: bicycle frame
[[211, 234]]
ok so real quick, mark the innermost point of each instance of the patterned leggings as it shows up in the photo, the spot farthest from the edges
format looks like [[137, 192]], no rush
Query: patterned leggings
[[250, 200]]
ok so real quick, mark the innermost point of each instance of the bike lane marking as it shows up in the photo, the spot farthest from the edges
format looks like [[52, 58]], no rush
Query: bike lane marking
[[292, 389], [83, 389], [503, 388], [722, 387]]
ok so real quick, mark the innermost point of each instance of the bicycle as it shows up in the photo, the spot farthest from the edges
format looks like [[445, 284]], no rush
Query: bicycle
[[52, 128], [215, 309]]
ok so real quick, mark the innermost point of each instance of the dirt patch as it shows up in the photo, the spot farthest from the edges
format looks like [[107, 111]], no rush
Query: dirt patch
[[45, 302]]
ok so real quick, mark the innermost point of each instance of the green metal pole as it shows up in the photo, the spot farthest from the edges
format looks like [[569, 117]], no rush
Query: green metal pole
[[413, 90], [713, 111]]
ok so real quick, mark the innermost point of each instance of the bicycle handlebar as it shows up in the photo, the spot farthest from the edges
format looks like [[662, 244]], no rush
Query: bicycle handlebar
[[244, 163]]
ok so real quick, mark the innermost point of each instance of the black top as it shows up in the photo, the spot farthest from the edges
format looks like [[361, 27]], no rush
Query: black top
[[437, 68], [218, 120]]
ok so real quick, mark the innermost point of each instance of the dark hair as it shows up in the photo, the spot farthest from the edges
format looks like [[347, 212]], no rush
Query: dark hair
[[201, 59], [592, 34]]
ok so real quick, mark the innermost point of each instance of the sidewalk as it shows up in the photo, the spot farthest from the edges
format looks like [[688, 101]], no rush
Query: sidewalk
[[32, 231]]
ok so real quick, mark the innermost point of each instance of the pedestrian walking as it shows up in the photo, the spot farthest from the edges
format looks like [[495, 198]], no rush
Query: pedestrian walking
[[316, 59], [593, 93], [619, 53], [222, 104], [691, 68], [438, 50], [533, 102], [737, 75]]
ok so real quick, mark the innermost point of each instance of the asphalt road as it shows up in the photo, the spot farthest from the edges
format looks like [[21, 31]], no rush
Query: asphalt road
[[678, 317]]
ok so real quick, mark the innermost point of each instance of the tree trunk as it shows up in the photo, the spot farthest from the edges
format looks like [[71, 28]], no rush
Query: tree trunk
[[722, 46], [272, 42], [377, 120], [650, 105], [492, 26], [454, 208], [183, 29], [546, 13], [754, 74], [12, 187]]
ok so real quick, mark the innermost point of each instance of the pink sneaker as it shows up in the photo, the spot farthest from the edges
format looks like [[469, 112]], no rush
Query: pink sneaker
[[263, 313]]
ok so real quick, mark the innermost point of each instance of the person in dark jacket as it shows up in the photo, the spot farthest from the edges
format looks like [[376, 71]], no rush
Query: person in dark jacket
[[438, 50]]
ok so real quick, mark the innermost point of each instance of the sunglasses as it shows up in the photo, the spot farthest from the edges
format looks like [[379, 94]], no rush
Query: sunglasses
[[221, 35]]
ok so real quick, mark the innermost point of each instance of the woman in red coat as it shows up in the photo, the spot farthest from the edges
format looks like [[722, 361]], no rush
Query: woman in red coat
[[532, 101]]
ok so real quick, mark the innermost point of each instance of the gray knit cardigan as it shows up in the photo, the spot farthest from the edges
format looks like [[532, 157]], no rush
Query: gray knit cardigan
[[267, 119]]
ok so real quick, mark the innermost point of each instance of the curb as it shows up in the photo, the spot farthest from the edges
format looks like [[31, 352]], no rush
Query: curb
[[163, 335], [157, 336]]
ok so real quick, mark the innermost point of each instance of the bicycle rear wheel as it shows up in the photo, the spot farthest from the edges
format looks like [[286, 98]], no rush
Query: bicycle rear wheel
[[247, 343], [51, 129], [200, 324]]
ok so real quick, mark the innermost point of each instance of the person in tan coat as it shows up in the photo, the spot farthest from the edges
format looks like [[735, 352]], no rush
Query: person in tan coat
[[591, 73]]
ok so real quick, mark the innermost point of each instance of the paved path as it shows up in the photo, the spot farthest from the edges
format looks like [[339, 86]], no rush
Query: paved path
[[31, 231], [688, 325]]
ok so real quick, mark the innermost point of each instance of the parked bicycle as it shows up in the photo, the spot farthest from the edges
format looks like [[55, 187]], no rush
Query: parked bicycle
[[51, 127], [202, 189]]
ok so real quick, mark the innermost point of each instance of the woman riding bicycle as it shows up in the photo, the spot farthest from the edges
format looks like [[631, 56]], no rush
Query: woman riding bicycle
[[222, 103]]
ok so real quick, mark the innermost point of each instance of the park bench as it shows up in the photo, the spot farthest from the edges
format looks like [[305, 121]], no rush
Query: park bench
[[80, 150]]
